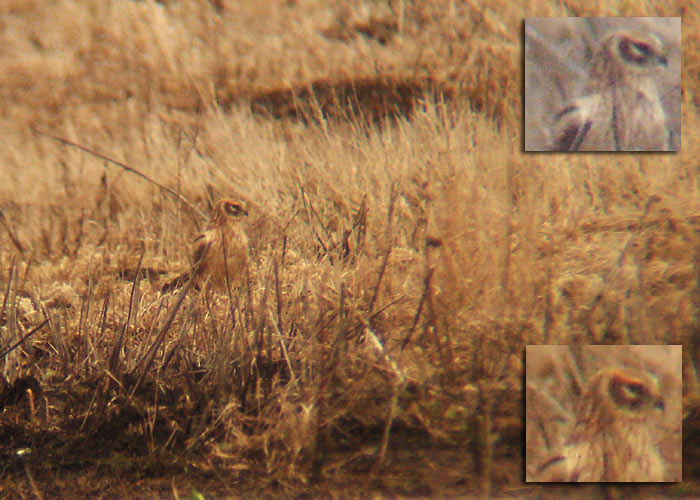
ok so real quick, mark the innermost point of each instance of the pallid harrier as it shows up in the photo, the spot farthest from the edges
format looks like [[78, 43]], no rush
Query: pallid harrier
[[220, 253], [620, 108]]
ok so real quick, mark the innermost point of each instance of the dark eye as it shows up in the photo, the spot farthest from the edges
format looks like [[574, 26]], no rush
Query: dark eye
[[639, 53], [642, 48], [627, 393], [235, 209], [635, 392]]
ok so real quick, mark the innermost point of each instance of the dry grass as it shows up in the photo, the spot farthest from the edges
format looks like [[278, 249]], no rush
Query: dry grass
[[403, 250]]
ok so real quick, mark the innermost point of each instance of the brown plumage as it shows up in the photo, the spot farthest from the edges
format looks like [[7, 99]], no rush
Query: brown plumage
[[220, 253], [620, 109]]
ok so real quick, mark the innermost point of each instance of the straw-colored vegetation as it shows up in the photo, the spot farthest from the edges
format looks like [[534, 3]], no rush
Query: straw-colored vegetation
[[403, 249]]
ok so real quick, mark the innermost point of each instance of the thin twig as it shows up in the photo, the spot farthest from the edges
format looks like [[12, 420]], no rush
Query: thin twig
[[419, 310], [32, 482], [10, 279], [25, 337], [382, 270], [11, 233], [150, 355], [177, 195]]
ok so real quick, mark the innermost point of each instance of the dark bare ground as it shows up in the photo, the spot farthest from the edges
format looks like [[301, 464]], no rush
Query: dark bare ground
[[111, 464]]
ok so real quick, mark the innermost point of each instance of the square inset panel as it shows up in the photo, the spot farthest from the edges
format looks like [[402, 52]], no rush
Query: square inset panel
[[608, 413], [602, 84]]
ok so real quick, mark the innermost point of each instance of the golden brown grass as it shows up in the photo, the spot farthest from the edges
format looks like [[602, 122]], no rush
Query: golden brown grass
[[398, 265]]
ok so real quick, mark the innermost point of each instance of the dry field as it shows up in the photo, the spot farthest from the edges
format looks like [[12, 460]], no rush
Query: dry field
[[403, 248]]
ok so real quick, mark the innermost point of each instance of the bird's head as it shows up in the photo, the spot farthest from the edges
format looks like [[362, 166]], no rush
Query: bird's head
[[227, 209]]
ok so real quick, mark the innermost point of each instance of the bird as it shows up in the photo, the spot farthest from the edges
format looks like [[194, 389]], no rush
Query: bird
[[615, 431], [620, 108], [220, 253]]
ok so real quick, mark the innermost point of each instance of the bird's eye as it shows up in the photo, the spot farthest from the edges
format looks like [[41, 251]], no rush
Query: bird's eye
[[232, 208], [634, 391], [642, 49], [638, 53], [628, 393]]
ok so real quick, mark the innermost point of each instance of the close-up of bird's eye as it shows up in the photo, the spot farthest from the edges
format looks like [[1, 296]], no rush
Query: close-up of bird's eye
[[631, 394], [643, 49], [641, 53], [234, 209]]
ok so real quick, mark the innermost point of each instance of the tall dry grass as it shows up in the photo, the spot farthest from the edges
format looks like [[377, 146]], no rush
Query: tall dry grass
[[398, 267]]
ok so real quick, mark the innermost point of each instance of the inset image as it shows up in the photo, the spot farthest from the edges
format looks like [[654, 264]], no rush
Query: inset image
[[603, 413], [603, 84]]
